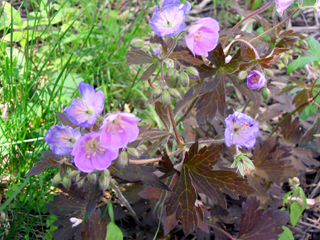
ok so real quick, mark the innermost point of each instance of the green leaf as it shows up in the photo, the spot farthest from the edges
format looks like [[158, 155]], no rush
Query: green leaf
[[295, 213], [16, 37], [285, 198], [299, 63], [68, 84], [314, 47], [5, 20], [197, 176], [308, 112], [286, 234], [113, 232], [304, 199]]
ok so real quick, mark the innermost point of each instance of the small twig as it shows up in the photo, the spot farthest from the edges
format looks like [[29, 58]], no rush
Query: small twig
[[179, 142], [150, 83], [247, 17], [245, 106], [221, 230], [214, 141], [151, 160]]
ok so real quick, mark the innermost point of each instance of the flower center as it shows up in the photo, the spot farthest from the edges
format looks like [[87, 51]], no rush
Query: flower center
[[255, 79], [243, 126], [165, 18], [68, 139], [92, 147], [115, 126], [198, 35]]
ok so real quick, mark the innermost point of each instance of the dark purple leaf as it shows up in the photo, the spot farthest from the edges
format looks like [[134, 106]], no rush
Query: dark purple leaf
[[93, 196], [41, 166], [146, 75], [64, 121], [95, 228], [139, 57]]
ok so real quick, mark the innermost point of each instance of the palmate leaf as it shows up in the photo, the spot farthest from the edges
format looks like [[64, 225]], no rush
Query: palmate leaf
[[259, 224], [208, 104], [95, 228], [139, 57], [43, 164], [197, 176], [93, 196], [269, 165], [163, 113]]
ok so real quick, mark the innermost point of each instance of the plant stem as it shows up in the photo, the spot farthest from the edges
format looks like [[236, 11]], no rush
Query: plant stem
[[221, 230], [269, 30], [247, 17], [151, 160], [214, 141], [179, 142]]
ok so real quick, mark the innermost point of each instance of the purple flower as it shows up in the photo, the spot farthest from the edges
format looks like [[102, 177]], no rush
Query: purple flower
[[61, 139], [89, 155], [5, 112], [169, 21], [317, 7], [282, 5], [83, 112], [256, 80], [227, 59], [203, 36], [118, 129], [241, 130]]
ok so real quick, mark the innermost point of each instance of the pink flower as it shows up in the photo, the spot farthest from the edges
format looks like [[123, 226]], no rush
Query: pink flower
[[89, 155], [256, 80], [118, 129], [282, 5], [203, 36], [317, 7]]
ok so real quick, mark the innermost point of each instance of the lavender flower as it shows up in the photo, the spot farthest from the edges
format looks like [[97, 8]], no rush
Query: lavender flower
[[118, 129], [256, 80], [5, 111], [203, 36], [282, 5], [169, 21], [61, 139], [89, 155], [317, 7], [83, 112], [241, 130]]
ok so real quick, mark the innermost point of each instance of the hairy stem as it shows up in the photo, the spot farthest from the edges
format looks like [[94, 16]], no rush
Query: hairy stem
[[179, 142], [247, 17], [151, 160]]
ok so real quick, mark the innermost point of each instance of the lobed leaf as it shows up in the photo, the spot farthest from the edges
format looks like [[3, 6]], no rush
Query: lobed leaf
[[95, 228], [93, 196], [257, 224], [139, 57], [146, 75], [41, 166], [163, 113]]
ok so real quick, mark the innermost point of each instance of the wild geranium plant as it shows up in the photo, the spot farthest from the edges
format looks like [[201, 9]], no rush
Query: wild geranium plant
[[204, 148]]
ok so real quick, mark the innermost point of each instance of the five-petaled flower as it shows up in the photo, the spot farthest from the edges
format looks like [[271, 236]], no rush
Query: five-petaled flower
[[169, 21], [282, 5], [62, 139], [89, 155], [83, 112], [203, 36], [241, 130], [256, 80], [118, 129]]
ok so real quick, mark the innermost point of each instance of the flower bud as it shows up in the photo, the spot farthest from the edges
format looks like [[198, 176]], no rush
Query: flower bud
[[73, 174], [174, 93], [242, 75], [155, 48], [170, 73], [172, 77], [137, 43], [133, 152], [269, 73], [56, 179], [92, 177], [285, 60], [106, 173], [80, 180], [123, 159], [266, 93], [184, 79], [156, 93], [104, 182], [192, 72], [66, 182], [165, 97], [295, 180]]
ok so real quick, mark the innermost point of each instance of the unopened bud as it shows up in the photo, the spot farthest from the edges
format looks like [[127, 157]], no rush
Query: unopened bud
[[192, 72], [170, 73], [80, 180], [106, 173], [133, 152], [56, 179], [137, 43], [172, 77], [155, 48], [165, 97], [104, 182], [295, 180], [174, 93], [92, 177], [184, 79], [66, 182], [123, 159], [285, 60], [73, 174], [242, 75], [269, 73], [266, 93], [156, 93]]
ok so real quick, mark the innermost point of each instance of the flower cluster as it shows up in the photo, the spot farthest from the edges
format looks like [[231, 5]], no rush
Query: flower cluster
[[93, 150]]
